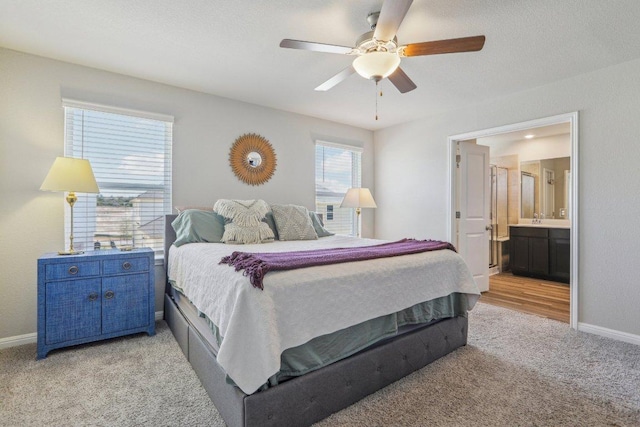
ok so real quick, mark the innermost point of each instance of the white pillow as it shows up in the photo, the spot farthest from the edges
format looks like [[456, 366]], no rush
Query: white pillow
[[293, 222], [246, 221]]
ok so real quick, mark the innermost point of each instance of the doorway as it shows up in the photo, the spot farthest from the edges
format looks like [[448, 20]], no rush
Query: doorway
[[570, 210], [499, 214]]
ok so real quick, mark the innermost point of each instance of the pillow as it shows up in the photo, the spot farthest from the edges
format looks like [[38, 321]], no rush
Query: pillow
[[268, 218], [318, 227], [194, 226], [201, 208], [245, 223], [293, 222]]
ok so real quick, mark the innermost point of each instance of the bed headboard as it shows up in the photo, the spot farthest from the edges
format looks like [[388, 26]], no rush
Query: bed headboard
[[169, 237]]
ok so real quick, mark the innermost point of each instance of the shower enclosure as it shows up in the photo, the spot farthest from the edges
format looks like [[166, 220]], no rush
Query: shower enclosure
[[498, 213]]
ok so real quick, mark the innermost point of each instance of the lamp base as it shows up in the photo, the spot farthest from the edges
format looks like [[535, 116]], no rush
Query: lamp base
[[71, 252]]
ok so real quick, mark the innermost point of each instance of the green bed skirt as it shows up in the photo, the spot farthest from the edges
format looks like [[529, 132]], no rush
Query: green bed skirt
[[326, 349]]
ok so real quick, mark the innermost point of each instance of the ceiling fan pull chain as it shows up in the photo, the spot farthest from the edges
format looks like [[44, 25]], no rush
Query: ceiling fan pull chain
[[377, 81]]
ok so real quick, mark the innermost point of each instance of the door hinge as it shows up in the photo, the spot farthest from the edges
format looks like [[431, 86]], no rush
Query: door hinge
[[458, 157], [458, 215]]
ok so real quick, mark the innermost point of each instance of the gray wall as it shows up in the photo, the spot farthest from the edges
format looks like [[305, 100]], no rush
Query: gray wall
[[31, 136], [609, 104]]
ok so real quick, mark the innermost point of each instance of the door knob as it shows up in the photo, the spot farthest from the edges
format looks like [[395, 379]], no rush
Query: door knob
[[488, 227]]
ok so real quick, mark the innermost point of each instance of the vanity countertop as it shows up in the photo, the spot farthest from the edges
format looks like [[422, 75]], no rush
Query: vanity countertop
[[543, 225]]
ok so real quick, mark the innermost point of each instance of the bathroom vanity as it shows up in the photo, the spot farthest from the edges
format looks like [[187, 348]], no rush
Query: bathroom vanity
[[542, 251]]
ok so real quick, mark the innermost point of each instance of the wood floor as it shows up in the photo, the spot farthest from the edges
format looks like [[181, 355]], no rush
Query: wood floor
[[534, 296]]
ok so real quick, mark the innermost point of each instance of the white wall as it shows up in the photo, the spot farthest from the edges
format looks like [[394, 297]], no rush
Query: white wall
[[31, 136], [608, 100]]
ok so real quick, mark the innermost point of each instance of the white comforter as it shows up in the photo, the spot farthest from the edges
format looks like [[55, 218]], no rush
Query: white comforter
[[298, 305]]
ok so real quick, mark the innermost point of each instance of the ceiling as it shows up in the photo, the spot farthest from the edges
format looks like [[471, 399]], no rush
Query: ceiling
[[230, 48], [517, 136]]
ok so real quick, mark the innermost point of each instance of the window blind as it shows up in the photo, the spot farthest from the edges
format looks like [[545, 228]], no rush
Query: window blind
[[130, 153], [338, 168]]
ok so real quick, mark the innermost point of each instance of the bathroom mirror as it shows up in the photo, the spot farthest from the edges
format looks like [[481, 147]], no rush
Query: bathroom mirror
[[527, 195], [543, 188]]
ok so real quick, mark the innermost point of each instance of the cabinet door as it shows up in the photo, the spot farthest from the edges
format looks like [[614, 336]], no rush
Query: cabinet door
[[519, 261], [560, 259], [125, 302], [72, 310], [538, 256]]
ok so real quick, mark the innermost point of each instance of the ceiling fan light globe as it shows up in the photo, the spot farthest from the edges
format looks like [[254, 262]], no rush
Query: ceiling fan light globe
[[376, 65]]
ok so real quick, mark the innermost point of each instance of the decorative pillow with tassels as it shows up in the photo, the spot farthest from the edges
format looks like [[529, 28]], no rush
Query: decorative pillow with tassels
[[246, 223]]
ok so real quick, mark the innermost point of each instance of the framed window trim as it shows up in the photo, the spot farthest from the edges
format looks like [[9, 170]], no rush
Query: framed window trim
[[356, 179], [165, 187], [74, 103]]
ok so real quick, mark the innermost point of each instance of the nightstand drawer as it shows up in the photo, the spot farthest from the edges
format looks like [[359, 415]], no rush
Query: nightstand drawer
[[125, 265], [70, 270]]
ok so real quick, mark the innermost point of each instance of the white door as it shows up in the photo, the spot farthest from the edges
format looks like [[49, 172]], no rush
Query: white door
[[474, 197]]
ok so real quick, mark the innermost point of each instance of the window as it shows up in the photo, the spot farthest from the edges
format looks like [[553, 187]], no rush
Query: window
[[338, 168], [130, 153]]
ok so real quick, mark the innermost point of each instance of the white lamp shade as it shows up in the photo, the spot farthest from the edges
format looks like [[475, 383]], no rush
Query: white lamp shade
[[376, 65], [68, 174], [358, 198]]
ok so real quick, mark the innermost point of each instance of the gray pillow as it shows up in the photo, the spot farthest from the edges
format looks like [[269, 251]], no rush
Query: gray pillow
[[317, 225], [293, 222], [197, 226], [268, 218]]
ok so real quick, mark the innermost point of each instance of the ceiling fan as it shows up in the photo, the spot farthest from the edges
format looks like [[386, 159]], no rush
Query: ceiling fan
[[378, 53]]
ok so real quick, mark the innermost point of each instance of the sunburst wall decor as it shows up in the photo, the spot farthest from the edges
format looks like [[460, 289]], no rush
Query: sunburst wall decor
[[252, 159]]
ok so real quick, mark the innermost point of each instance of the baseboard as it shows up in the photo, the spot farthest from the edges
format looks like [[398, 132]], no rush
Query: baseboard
[[609, 333], [18, 340], [33, 337]]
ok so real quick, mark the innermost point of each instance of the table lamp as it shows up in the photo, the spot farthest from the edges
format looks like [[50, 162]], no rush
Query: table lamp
[[69, 174], [358, 198]]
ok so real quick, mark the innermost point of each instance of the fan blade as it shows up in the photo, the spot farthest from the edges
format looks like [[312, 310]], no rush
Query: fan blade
[[342, 75], [401, 81], [391, 16], [316, 47], [464, 44]]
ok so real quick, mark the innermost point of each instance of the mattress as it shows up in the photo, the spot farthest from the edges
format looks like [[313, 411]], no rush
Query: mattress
[[300, 305]]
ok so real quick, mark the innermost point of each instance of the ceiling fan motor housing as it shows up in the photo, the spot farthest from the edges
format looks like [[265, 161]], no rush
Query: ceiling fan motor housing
[[366, 43]]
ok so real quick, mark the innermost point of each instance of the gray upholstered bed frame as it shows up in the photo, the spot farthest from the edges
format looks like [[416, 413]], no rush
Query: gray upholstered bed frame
[[307, 399]]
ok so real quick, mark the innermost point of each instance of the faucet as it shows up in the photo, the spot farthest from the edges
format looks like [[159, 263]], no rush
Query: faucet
[[537, 219]]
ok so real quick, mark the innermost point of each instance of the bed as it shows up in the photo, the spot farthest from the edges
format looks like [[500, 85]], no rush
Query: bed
[[238, 371]]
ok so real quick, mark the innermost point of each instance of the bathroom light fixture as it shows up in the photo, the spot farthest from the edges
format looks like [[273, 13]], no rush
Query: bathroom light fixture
[[529, 136], [376, 65]]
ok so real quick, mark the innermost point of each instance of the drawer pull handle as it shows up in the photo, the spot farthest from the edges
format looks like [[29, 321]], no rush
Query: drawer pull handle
[[126, 265], [109, 294], [73, 269], [93, 296]]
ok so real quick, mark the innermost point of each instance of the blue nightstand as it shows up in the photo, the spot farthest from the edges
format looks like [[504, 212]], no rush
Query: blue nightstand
[[94, 296]]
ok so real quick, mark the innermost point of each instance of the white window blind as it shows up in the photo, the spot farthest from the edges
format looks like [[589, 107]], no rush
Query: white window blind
[[338, 168], [130, 153]]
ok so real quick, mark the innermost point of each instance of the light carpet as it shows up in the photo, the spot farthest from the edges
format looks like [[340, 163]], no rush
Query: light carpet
[[517, 370]]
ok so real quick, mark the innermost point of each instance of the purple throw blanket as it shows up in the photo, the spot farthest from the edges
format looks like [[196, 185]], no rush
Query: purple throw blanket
[[256, 265]]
